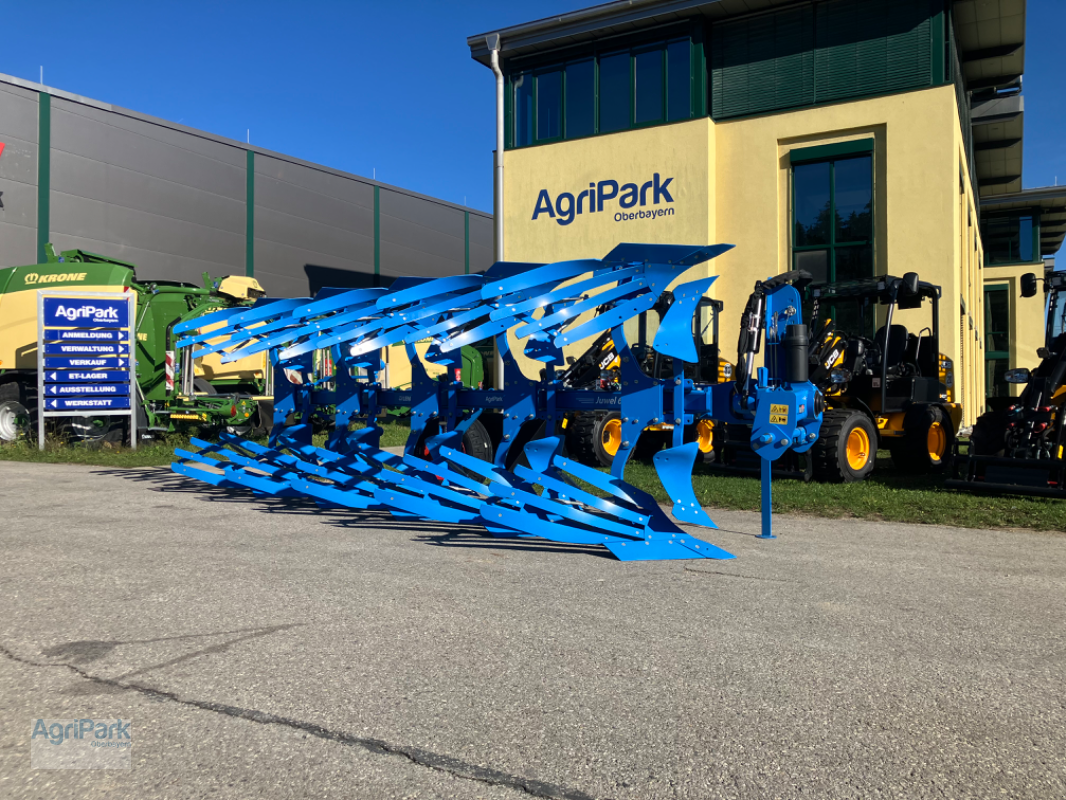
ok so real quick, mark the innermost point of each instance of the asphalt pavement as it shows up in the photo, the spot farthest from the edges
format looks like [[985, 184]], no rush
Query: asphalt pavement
[[273, 649]]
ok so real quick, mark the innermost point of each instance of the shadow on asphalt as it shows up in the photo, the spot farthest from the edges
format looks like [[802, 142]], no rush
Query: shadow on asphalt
[[82, 652], [428, 532], [89, 650]]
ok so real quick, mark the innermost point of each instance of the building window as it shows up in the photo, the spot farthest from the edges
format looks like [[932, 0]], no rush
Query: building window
[[649, 79], [581, 87], [614, 92], [997, 340], [1011, 238], [1057, 316], [523, 109], [603, 92], [832, 211], [550, 104]]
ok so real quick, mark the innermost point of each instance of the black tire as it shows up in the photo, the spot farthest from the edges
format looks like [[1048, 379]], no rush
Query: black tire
[[989, 437], [580, 433], [585, 435], [927, 442], [650, 443], [95, 432], [692, 433], [203, 386], [477, 442], [601, 436], [830, 453], [11, 390], [264, 418]]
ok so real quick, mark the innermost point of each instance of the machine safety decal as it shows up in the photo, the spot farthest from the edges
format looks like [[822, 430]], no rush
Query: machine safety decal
[[778, 414]]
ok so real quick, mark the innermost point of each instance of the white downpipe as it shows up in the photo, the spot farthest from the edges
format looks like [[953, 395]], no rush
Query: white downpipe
[[493, 42]]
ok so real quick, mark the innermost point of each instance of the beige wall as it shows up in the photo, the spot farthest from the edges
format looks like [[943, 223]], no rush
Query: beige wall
[[683, 152], [970, 371]]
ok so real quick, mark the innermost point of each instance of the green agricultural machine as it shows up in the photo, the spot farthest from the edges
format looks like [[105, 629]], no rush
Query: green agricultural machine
[[171, 395]]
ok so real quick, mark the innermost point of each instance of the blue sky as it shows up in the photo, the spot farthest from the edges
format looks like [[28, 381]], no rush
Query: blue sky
[[362, 86]]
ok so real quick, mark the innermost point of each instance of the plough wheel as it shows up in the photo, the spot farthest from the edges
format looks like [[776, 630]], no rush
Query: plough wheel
[[476, 442], [847, 447]]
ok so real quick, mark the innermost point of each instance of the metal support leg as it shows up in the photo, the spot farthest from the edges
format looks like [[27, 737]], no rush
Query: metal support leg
[[767, 498]]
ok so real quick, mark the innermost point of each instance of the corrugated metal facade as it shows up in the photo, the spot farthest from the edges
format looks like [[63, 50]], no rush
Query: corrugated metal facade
[[18, 175], [175, 202]]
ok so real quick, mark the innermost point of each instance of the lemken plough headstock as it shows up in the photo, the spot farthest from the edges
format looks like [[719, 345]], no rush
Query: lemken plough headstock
[[527, 487]]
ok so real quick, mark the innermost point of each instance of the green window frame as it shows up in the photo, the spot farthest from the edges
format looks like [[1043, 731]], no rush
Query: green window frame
[[837, 250], [524, 103], [997, 339], [1012, 237]]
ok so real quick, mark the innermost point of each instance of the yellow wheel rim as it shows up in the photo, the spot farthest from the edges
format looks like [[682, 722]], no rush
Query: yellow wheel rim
[[858, 449], [936, 441], [705, 435], [611, 435]]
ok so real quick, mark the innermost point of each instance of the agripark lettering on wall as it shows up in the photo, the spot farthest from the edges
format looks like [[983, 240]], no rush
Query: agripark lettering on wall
[[567, 206]]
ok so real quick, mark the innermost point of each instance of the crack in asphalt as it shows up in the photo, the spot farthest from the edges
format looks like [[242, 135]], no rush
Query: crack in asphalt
[[416, 755], [738, 575]]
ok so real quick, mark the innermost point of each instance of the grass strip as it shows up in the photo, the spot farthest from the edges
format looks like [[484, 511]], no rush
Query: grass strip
[[888, 494]]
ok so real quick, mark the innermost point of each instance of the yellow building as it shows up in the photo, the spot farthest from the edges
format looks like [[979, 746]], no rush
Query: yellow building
[[1017, 228], [831, 136]]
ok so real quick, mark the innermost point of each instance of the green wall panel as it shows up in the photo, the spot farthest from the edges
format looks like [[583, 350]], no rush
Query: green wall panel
[[867, 47], [825, 52], [763, 63]]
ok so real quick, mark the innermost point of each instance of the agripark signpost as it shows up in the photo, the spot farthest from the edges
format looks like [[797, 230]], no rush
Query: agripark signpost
[[85, 357]]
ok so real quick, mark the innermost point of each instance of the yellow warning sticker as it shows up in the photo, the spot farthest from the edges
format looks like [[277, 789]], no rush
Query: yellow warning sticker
[[778, 414]]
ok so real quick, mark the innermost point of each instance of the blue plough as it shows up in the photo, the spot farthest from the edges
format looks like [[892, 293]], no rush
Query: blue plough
[[528, 487]]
